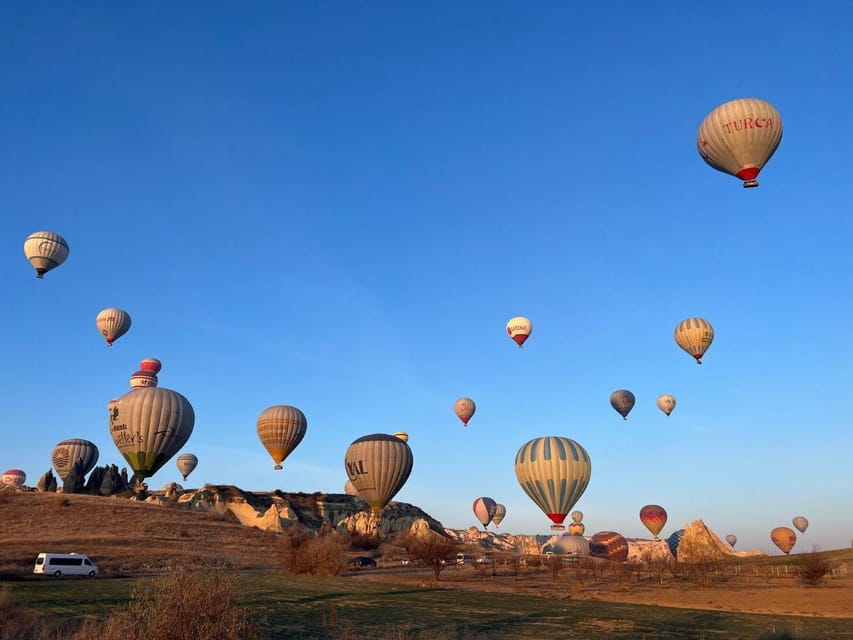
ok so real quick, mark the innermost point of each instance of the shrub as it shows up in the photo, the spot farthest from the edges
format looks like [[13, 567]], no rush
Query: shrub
[[815, 567]]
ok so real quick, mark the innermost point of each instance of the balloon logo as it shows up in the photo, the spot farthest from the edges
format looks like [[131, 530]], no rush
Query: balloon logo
[[784, 538], [519, 329], [378, 466], [45, 251], [666, 403], [484, 510], [70, 452], [623, 401], [554, 472], [653, 518], [281, 429], [694, 335], [464, 408], [739, 137], [113, 323]]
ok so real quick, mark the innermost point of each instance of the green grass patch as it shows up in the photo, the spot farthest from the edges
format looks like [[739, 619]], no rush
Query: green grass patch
[[336, 608]]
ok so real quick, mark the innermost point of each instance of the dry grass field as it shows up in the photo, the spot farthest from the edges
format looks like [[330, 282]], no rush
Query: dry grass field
[[127, 538]]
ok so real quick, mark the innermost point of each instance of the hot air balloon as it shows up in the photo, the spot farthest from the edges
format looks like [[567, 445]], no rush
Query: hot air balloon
[[13, 478], [113, 323], [378, 466], [402, 435], [674, 540], [623, 401], [151, 364], [554, 471], [149, 426], [577, 516], [186, 463], [172, 486], [500, 514], [800, 523], [519, 329], [784, 538], [464, 409], [69, 452], [484, 510], [281, 429], [45, 251], [654, 518], [609, 545], [731, 539], [694, 335], [666, 403], [576, 528], [143, 378], [349, 488], [739, 137], [570, 544]]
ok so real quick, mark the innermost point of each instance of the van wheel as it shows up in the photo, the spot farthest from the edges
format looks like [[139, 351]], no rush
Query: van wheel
[[91, 574], [57, 574]]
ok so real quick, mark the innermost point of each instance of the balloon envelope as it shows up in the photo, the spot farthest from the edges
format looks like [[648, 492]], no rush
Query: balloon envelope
[[68, 452], [45, 251], [186, 462], [13, 478], [576, 528], [151, 364], [739, 137], [577, 516], [694, 335], [500, 514], [784, 538], [609, 545], [464, 408], [149, 426], [281, 429], [731, 539], [519, 329], [572, 544], [653, 517], [554, 472], [113, 323], [378, 466], [623, 401], [673, 541], [402, 435], [484, 510], [666, 403], [801, 523]]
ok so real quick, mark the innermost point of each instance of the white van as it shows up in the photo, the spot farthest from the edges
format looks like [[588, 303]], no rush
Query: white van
[[65, 564]]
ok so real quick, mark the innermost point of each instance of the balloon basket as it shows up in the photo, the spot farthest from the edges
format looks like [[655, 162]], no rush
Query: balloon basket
[[557, 527], [747, 184]]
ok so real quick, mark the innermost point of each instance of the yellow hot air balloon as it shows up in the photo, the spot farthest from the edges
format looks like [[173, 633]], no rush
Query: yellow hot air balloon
[[739, 137], [402, 435], [45, 251], [187, 462], [149, 426], [576, 528], [623, 401], [69, 452], [554, 472], [464, 408], [281, 429], [653, 517], [694, 335], [519, 329], [378, 466], [113, 323], [784, 538], [500, 514], [666, 403]]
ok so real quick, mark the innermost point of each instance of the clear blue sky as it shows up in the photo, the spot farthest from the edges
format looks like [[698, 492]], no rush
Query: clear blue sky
[[339, 205]]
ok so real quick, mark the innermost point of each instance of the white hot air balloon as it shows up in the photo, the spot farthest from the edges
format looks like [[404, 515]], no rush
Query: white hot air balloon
[[113, 323], [519, 329], [186, 462], [739, 137], [69, 452], [666, 403], [45, 250]]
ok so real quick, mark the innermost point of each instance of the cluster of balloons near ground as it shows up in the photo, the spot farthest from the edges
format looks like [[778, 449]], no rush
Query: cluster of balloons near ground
[[150, 424]]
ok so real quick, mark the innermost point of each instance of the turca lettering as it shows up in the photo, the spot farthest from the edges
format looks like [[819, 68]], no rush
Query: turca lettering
[[356, 469], [748, 123]]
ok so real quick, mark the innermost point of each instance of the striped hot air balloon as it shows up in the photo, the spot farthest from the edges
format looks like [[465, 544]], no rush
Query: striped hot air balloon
[[45, 250], [464, 408], [674, 540], [149, 426], [554, 471], [68, 452], [694, 335], [623, 401], [653, 517], [13, 478], [519, 329], [151, 364], [484, 510], [186, 462], [666, 403], [577, 516], [609, 545], [784, 538], [378, 466], [281, 429], [113, 323], [570, 544], [500, 514], [739, 137]]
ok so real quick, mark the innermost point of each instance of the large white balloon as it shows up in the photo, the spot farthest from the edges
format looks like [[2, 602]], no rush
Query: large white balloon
[[45, 250], [113, 323]]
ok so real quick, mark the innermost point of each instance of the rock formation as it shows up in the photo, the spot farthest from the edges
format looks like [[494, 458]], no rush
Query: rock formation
[[47, 482], [700, 544]]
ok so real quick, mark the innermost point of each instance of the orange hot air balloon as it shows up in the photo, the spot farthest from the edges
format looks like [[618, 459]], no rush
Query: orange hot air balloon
[[609, 545], [654, 518], [784, 538], [281, 429], [576, 529], [464, 409]]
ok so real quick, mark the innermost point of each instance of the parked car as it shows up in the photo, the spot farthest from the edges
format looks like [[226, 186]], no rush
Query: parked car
[[363, 561]]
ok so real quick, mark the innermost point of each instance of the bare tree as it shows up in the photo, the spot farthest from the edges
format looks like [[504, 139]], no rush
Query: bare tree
[[434, 550]]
